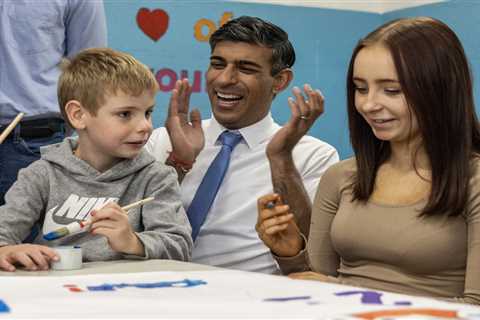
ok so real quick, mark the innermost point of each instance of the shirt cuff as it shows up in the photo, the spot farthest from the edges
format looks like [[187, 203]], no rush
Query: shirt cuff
[[297, 263]]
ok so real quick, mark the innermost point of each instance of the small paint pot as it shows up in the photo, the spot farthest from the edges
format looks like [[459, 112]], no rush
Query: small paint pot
[[70, 258]]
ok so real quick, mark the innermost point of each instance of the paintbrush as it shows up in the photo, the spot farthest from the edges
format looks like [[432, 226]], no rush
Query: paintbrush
[[11, 126], [77, 226]]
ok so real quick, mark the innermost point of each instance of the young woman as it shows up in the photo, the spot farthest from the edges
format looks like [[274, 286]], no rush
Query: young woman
[[403, 215]]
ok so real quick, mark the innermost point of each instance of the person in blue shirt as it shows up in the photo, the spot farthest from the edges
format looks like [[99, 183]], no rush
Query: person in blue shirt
[[34, 38]]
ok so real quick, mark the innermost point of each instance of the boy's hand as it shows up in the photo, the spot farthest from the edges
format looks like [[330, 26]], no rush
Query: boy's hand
[[186, 136], [32, 257], [112, 222], [277, 228]]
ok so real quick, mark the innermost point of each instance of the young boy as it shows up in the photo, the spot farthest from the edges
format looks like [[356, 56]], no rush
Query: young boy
[[108, 98]]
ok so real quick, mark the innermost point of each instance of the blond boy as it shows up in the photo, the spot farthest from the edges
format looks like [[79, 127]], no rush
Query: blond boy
[[108, 98]]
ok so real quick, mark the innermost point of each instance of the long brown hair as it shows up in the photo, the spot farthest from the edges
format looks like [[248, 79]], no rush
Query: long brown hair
[[435, 77]]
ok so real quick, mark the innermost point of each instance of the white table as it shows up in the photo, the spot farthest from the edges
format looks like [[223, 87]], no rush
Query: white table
[[118, 266], [131, 289]]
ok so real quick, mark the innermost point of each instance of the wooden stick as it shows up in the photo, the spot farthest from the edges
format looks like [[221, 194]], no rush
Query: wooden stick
[[132, 205], [137, 203], [11, 126]]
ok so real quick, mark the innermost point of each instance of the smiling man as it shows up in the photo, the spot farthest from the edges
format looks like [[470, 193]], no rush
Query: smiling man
[[225, 163]]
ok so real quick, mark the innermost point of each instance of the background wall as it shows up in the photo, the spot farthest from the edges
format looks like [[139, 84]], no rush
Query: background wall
[[463, 16], [171, 37]]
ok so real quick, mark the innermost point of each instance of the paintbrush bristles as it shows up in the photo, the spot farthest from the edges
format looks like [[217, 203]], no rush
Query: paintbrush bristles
[[68, 229], [56, 234]]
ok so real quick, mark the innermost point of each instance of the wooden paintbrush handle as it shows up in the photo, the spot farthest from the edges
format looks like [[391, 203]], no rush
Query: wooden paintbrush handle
[[137, 203], [10, 127]]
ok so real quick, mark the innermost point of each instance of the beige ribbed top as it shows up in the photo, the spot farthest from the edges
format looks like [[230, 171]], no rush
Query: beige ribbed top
[[389, 247]]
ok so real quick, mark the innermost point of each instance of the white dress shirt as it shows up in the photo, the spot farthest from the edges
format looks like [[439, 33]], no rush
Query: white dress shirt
[[228, 238]]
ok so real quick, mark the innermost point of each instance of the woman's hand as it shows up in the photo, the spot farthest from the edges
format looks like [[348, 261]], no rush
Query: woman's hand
[[277, 228]]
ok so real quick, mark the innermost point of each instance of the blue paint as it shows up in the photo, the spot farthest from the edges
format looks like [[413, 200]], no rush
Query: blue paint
[[371, 297], [285, 299], [50, 236], [162, 284], [368, 297], [3, 307], [56, 234], [102, 287]]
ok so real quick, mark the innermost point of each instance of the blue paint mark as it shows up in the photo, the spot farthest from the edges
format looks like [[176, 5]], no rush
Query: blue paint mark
[[162, 284], [368, 297], [285, 299], [3, 307], [403, 303], [102, 287]]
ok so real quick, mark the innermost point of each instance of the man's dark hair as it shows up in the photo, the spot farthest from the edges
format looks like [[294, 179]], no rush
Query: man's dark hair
[[254, 30]]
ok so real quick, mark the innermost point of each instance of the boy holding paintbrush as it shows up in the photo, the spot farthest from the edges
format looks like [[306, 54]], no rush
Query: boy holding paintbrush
[[108, 97]]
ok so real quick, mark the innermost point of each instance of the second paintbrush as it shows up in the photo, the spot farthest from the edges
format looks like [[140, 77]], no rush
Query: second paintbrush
[[77, 226]]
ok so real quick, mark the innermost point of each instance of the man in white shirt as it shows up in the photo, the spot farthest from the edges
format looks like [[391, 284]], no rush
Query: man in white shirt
[[250, 63]]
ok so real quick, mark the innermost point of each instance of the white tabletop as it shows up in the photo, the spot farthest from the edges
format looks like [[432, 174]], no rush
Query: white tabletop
[[118, 266], [152, 289]]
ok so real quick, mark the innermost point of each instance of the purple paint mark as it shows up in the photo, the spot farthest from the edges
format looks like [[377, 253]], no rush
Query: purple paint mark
[[403, 303], [285, 299], [162, 284], [368, 297], [3, 307]]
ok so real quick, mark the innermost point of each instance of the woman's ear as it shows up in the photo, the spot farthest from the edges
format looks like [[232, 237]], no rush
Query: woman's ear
[[76, 114], [282, 80]]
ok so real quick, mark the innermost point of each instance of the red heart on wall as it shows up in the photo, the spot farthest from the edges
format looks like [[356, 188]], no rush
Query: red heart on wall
[[153, 23]]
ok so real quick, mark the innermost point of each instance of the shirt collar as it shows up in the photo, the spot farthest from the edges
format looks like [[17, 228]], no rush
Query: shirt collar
[[253, 135]]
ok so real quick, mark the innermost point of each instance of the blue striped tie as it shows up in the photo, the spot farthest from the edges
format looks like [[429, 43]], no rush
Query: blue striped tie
[[206, 192]]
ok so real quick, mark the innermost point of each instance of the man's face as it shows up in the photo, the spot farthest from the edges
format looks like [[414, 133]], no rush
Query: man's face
[[239, 83]]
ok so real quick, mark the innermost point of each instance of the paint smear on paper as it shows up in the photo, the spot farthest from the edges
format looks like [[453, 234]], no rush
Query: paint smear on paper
[[285, 299], [3, 307], [162, 284]]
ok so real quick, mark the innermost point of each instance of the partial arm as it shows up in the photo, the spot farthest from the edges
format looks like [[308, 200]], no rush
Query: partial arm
[[85, 26], [471, 292], [24, 204], [167, 232], [285, 178], [185, 133], [319, 254]]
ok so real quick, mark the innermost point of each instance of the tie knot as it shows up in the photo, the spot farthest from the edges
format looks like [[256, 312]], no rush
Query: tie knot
[[230, 139]]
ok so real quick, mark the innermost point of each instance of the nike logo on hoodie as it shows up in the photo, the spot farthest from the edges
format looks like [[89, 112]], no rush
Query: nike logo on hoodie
[[74, 208]]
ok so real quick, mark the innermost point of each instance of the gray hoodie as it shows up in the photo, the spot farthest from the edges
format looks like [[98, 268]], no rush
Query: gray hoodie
[[61, 188]]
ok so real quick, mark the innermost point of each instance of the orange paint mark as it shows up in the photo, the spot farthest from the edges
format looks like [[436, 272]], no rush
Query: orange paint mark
[[447, 314], [73, 288]]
